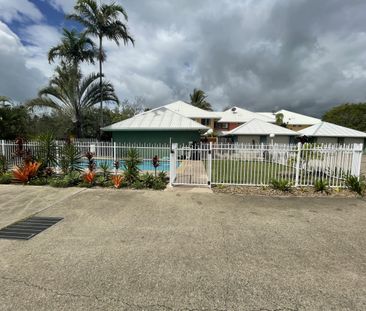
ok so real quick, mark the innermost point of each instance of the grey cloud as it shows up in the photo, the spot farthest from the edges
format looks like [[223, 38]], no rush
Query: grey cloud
[[304, 55]]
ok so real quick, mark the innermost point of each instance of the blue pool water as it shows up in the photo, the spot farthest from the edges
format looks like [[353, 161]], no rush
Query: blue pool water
[[146, 165]]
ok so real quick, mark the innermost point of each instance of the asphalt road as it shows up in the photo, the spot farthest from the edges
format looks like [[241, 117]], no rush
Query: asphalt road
[[144, 250]]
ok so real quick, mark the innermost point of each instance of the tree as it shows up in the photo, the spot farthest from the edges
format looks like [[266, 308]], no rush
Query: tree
[[198, 99], [348, 115], [74, 48], [13, 121], [102, 21], [72, 94], [279, 120]]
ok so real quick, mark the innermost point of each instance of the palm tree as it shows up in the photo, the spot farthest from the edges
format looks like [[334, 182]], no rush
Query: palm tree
[[102, 21], [72, 94], [198, 99], [74, 48]]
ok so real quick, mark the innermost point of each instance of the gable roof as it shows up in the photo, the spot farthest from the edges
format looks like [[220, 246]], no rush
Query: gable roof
[[260, 127], [326, 129], [157, 119], [190, 111], [240, 115], [294, 118]]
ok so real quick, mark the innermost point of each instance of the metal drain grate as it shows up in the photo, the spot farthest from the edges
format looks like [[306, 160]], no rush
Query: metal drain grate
[[27, 228]]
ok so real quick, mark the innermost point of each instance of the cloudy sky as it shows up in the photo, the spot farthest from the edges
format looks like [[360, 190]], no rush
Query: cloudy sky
[[263, 55]]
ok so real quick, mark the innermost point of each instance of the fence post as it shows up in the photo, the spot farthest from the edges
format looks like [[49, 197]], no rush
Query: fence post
[[57, 158], [3, 147], [297, 167], [173, 163], [209, 166], [356, 159]]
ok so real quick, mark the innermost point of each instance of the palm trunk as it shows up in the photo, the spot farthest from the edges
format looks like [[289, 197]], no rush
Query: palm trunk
[[100, 86]]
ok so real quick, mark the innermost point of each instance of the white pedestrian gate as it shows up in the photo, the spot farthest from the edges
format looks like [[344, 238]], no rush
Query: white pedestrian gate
[[190, 165]]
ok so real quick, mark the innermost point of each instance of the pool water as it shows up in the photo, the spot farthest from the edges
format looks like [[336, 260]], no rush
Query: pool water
[[146, 165]]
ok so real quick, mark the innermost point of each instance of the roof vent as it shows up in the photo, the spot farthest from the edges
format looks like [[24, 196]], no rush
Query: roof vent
[[233, 110]]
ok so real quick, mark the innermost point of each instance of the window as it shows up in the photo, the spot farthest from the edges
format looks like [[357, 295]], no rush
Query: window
[[205, 122]]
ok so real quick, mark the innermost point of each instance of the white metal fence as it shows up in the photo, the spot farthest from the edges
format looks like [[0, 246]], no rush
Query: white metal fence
[[227, 164], [258, 165]]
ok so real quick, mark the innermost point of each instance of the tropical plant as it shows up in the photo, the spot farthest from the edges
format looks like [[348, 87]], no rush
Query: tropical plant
[[71, 94], [117, 181], [91, 162], [3, 164], [321, 185], [6, 178], [131, 166], [198, 99], [69, 180], [147, 180], [89, 177], [25, 172], [71, 159], [104, 166], [281, 184], [356, 184], [74, 48], [155, 163], [102, 21], [279, 120], [46, 153]]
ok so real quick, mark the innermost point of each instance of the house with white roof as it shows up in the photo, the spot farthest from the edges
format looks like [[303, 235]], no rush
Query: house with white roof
[[257, 131], [325, 132], [235, 116], [206, 118], [294, 121], [160, 125]]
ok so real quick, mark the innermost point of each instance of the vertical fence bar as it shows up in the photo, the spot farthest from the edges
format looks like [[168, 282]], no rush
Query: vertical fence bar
[[297, 167], [3, 147], [209, 165]]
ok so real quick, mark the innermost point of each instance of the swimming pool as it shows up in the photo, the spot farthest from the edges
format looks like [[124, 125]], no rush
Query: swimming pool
[[146, 165]]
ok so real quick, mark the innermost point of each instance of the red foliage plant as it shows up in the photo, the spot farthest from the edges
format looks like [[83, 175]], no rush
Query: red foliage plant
[[89, 177], [117, 180], [26, 172]]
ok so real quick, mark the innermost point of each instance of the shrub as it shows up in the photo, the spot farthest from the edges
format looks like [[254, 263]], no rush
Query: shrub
[[5, 178], [105, 170], [163, 177], [147, 180], [281, 184], [3, 164], [89, 177], [137, 184], [46, 153], [131, 164], [117, 181], [39, 181], [356, 184], [159, 184], [321, 185], [26, 172], [71, 159], [69, 180], [59, 182]]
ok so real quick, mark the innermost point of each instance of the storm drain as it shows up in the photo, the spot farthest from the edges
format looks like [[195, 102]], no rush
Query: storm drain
[[28, 228]]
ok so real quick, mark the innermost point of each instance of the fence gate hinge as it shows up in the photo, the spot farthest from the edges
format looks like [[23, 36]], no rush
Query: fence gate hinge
[[209, 152], [208, 183]]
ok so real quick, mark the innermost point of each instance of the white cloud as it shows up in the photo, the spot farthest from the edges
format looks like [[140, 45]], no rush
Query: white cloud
[[19, 10], [17, 80]]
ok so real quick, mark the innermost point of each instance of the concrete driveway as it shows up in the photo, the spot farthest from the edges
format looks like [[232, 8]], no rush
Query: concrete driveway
[[144, 250]]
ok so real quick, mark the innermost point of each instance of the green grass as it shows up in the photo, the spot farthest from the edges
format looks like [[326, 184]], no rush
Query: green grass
[[247, 172]]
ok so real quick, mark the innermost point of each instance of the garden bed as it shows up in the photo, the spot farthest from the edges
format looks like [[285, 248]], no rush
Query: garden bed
[[294, 192]]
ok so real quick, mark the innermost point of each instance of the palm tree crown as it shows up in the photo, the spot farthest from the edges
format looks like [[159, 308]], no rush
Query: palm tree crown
[[75, 47], [102, 21], [72, 94], [198, 99]]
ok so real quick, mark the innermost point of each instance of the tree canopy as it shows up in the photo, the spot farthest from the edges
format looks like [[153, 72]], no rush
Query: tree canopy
[[198, 99], [348, 115]]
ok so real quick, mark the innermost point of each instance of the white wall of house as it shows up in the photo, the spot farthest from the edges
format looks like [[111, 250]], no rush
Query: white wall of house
[[248, 139], [335, 140]]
